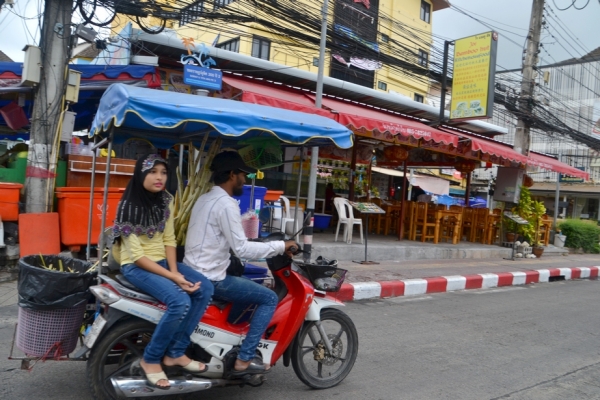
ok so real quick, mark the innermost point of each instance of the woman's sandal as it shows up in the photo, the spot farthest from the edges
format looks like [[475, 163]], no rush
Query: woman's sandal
[[193, 367], [153, 379]]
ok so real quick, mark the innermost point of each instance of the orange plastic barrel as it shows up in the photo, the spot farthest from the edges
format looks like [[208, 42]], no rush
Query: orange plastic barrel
[[73, 208], [9, 201]]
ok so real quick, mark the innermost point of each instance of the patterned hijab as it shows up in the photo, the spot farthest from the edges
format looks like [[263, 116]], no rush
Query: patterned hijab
[[142, 212]]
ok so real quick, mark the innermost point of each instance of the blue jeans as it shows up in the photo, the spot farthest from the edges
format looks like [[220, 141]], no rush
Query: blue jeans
[[243, 292], [184, 310]]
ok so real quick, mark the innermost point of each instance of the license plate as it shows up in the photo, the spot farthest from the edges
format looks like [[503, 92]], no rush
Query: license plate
[[91, 337]]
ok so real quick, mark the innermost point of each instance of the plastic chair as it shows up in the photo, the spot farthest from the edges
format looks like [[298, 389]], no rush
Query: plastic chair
[[288, 218], [346, 217]]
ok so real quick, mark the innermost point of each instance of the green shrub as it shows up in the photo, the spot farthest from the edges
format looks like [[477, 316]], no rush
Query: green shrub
[[581, 234]]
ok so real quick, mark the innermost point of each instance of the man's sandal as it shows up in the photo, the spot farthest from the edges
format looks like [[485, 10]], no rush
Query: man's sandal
[[152, 379]]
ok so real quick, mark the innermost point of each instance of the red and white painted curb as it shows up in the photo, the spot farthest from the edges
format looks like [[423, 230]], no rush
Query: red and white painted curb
[[440, 284]]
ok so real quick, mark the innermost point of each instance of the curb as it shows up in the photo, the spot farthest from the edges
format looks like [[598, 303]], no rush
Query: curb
[[441, 284]]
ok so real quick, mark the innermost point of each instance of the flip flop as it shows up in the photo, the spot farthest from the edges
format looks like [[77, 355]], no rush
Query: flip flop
[[193, 367], [136, 369]]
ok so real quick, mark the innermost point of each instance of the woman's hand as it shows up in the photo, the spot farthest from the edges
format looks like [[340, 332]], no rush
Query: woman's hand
[[186, 286]]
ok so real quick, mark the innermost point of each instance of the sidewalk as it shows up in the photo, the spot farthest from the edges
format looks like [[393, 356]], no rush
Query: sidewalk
[[382, 248]]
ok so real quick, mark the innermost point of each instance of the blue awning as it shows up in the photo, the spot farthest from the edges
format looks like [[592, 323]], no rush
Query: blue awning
[[167, 118]]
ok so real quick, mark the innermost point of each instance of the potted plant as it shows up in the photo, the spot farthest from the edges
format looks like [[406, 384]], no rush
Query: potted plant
[[538, 249]]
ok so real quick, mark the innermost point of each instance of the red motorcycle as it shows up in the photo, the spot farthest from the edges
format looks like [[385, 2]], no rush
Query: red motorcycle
[[319, 340]]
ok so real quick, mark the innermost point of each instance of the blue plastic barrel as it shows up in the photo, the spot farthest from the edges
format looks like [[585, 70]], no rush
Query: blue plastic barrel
[[258, 201]]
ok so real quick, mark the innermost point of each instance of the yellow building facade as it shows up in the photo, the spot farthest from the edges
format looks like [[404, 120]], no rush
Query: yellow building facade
[[255, 40]]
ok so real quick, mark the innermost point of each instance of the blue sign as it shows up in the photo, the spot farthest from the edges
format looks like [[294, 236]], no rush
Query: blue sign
[[201, 77]]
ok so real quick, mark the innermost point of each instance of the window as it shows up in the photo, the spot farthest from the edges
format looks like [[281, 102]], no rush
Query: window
[[425, 11], [221, 3], [423, 58], [315, 61], [385, 38], [191, 13], [419, 98], [261, 47], [231, 45], [382, 85]]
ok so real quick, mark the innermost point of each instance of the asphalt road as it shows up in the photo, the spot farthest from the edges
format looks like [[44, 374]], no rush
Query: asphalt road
[[530, 342]]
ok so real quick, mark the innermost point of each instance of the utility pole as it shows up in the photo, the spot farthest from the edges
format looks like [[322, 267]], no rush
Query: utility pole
[[522, 135], [55, 43], [312, 179]]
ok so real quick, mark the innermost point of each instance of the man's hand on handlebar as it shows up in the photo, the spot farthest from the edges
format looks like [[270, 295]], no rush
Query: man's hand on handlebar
[[291, 248]]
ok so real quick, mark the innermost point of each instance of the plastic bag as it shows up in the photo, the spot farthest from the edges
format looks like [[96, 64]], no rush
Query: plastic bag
[[43, 289], [251, 224]]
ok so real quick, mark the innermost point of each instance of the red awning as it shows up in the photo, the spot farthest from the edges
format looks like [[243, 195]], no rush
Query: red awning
[[503, 150], [552, 164], [494, 148], [348, 114], [268, 94], [362, 117]]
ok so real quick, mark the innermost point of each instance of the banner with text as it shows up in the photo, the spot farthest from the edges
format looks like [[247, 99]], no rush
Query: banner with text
[[473, 78]]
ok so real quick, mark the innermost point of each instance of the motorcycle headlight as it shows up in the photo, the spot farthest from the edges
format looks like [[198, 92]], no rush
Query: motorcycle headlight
[[105, 295]]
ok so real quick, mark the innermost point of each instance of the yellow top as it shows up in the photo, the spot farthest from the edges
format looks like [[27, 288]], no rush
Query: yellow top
[[134, 247]]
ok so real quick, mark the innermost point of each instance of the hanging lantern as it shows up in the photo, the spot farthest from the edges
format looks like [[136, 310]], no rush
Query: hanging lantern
[[465, 166], [527, 181], [395, 153]]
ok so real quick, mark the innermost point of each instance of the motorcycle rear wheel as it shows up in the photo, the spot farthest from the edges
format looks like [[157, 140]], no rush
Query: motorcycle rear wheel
[[113, 354], [320, 370]]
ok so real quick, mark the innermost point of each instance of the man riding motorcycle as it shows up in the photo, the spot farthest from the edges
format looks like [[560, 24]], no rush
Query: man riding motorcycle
[[216, 227]]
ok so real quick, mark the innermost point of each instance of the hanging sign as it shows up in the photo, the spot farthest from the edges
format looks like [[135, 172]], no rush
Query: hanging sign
[[204, 78], [196, 67], [473, 77]]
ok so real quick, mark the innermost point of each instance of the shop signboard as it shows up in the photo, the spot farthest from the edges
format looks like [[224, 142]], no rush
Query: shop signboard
[[200, 77], [571, 179], [473, 77]]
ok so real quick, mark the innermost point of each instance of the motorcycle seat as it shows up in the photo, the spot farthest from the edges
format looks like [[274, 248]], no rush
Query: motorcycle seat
[[221, 304]]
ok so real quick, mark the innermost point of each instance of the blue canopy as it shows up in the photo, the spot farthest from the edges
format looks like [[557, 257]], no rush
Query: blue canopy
[[167, 118]]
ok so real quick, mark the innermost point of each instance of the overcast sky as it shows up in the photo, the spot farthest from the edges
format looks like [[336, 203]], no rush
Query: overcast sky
[[510, 18], [583, 27]]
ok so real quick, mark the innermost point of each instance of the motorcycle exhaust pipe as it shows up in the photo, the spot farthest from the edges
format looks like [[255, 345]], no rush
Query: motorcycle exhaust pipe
[[135, 387]]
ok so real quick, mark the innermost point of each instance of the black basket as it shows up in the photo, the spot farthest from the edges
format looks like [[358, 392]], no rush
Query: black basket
[[327, 278]]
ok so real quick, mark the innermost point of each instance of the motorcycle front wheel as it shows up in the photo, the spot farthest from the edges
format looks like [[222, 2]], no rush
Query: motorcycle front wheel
[[113, 354], [312, 363]]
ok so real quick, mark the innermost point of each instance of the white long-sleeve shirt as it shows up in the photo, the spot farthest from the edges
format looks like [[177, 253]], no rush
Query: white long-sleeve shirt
[[215, 227]]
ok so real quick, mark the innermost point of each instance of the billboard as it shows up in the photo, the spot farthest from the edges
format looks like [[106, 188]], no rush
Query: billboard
[[473, 77]]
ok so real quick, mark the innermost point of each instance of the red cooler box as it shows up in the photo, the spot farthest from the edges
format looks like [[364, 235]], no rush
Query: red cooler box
[[73, 206]]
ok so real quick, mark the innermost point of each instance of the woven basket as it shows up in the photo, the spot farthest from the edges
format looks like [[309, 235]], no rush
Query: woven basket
[[262, 155], [49, 333]]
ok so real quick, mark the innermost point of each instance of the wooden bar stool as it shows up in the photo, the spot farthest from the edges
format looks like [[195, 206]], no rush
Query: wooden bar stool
[[468, 222], [545, 227], [409, 219], [479, 231], [424, 224]]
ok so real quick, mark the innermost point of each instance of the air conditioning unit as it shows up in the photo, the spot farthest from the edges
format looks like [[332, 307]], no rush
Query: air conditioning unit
[[145, 60]]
